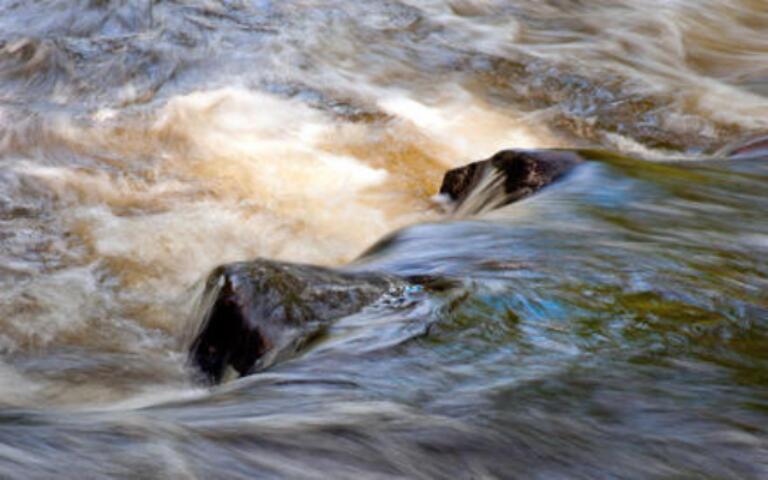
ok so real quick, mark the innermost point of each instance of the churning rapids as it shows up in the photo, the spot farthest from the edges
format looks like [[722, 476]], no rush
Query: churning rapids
[[613, 326]]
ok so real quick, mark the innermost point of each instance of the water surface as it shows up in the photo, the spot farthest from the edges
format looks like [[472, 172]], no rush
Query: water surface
[[613, 326]]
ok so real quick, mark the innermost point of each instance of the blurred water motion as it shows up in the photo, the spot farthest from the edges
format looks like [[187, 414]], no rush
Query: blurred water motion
[[613, 326]]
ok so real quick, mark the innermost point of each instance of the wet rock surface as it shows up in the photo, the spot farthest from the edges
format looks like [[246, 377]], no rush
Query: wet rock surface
[[506, 177], [263, 310]]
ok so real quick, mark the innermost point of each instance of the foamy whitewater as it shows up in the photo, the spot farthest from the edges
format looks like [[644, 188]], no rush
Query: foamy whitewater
[[612, 327]]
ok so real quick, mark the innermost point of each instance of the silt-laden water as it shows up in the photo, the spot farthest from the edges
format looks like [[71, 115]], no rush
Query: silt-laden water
[[614, 326]]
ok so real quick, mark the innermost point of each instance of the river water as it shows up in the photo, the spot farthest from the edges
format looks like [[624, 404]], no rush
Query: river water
[[614, 326]]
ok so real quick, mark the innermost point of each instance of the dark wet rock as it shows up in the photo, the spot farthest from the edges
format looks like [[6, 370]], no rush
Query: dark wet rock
[[262, 310], [519, 173]]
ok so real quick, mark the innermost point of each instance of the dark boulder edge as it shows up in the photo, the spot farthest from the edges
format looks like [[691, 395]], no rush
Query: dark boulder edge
[[506, 177], [262, 310]]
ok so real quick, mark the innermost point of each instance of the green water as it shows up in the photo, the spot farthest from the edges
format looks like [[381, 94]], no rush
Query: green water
[[612, 326]]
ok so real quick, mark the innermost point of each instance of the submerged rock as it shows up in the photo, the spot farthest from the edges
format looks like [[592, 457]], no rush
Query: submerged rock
[[506, 177], [261, 310]]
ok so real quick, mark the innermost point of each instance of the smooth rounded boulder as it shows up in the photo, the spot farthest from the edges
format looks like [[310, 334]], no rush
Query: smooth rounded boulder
[[506, 177], [261, 310]]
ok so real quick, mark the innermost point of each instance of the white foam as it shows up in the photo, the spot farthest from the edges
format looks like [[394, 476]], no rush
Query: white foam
[[461, 128]]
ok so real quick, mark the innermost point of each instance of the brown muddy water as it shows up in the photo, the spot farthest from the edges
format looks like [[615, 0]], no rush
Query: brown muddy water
[[615, 326]]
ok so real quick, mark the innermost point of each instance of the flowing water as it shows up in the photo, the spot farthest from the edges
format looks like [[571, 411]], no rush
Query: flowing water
[[614, 326]]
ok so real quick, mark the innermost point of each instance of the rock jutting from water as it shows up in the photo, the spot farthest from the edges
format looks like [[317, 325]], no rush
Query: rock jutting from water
[[506, 177], [260, 311]]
